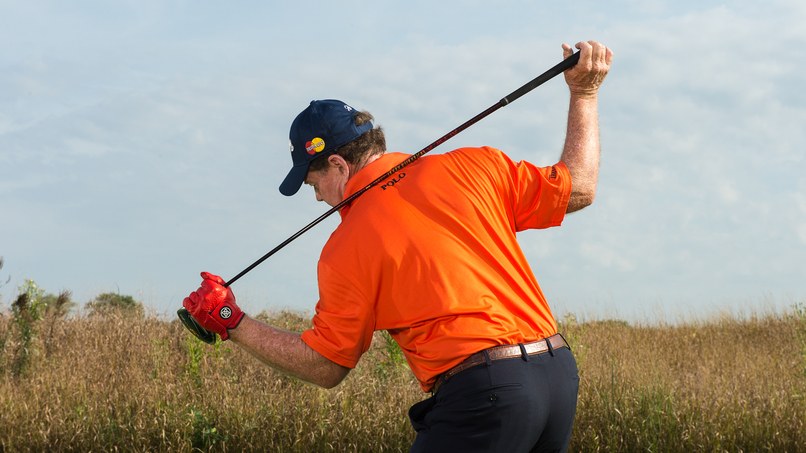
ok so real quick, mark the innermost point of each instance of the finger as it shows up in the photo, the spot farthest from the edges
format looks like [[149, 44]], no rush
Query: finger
[[213, 277], [597, 52], [608, 57], [585, 54], [209, 286], [567, 50], [194, 305], [188, 304]]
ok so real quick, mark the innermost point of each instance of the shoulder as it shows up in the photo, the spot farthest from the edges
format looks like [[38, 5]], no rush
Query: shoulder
[[483, 160], [477, 153]]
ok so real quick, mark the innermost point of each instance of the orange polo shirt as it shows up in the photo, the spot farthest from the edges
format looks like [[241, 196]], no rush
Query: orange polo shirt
[[431, 256]]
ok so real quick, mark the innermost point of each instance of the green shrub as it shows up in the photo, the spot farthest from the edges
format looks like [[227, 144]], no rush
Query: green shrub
[[26, 311], [112, 304]]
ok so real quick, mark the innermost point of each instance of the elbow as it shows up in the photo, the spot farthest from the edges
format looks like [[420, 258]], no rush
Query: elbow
[[583, 190], [332, 377], [580, 200], [586, 198], [329, 383]]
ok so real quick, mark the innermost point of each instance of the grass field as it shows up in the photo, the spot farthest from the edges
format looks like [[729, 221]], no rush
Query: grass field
[[140, 383]]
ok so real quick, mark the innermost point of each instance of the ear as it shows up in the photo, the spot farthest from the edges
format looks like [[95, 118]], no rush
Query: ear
[[339, 163]]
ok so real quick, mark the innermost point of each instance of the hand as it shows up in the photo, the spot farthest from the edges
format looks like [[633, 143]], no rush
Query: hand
[[213, 306], [585, 78]]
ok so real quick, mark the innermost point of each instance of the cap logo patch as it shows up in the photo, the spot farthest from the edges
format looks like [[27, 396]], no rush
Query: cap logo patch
[[317, 145]]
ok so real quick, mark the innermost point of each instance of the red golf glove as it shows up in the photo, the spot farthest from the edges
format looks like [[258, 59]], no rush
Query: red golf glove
[[213, 306]]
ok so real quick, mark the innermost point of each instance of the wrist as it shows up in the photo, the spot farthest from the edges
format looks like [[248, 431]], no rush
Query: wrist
[[230, 317], [584, 95], [238, 330], [236, 321]]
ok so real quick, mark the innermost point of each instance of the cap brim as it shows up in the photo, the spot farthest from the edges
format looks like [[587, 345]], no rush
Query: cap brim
[[293, 181]]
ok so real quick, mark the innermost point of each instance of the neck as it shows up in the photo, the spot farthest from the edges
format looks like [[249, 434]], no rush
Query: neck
[[355, 168]]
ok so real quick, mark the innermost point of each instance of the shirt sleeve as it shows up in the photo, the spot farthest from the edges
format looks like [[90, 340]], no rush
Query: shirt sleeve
[[343, 323], [540, 194]]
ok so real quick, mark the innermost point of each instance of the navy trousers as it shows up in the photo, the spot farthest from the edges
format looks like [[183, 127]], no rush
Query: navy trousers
[[512, 405]]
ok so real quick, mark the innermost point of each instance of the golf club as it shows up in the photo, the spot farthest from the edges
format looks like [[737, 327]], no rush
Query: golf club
[[210, 337]]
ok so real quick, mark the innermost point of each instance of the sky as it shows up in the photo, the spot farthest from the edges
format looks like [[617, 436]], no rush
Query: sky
[[142, 142]]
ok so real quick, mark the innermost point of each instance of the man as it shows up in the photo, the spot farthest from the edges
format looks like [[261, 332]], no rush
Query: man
[[430, 255]]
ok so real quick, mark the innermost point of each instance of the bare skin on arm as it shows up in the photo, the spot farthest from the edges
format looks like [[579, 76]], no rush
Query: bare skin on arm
[[581, 151], [285, 351]]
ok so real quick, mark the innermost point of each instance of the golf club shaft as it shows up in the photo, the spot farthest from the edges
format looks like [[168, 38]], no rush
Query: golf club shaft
[[537, 81]]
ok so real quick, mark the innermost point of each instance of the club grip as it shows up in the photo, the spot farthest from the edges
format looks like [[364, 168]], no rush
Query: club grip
[[195, 328], [541, 79]]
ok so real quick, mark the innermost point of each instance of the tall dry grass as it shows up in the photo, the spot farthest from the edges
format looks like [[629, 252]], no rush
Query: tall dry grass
[[123, 383], [723, 385]]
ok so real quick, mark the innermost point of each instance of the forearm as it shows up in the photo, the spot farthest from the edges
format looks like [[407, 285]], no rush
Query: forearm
[[285, 351], [581, 151]]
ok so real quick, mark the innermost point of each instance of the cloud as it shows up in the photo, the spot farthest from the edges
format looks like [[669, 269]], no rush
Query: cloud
[[155, 137]]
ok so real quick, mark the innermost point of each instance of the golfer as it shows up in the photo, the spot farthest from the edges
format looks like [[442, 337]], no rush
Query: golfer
[[431, 256]]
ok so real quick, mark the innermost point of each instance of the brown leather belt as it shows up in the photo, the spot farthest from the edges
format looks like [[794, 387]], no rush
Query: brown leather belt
[[507, 351]]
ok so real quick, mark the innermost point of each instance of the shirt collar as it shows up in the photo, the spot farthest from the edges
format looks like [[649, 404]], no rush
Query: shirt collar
[[369, 173]]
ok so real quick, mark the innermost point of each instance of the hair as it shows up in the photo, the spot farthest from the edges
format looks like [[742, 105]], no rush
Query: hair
[[358, 151]]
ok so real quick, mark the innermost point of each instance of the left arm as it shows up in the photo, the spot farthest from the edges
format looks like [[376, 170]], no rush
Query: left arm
[[581, 150], [285, 351], [213, 307]]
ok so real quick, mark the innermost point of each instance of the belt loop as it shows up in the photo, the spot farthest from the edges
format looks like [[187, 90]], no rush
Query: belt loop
[[523, 352], [487, 360], [548, 344], [567, 344]]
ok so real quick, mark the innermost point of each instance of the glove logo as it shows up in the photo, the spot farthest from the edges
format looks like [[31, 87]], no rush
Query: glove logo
[[225, 313]]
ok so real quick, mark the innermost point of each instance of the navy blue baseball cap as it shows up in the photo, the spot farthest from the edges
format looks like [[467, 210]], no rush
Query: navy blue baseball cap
[[319, 130]]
